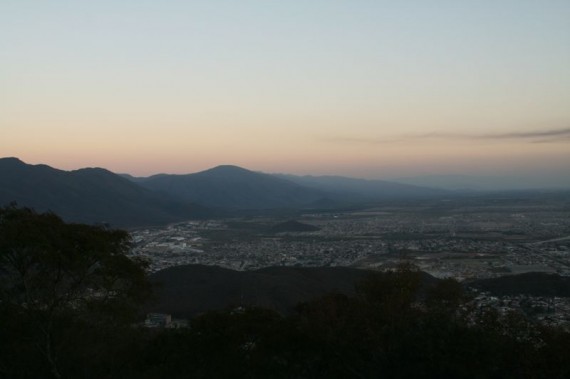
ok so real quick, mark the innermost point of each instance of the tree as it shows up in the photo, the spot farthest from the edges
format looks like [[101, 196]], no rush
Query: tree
[[54, 275]]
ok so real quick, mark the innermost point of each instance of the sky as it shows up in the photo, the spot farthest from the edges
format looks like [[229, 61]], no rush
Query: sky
[[362, 88]]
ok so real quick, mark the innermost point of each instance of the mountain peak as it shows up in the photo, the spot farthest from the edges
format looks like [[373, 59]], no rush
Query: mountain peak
[[226, 170], [94, 171], [233, 187], [87, 195], [13, 161]]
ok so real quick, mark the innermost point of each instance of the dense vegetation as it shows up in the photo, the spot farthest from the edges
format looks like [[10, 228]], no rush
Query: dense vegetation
[[69, 297], [190, 290], [530, 283], [62, 288]]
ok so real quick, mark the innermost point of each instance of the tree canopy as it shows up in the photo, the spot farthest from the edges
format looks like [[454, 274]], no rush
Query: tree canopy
[[52, 271]]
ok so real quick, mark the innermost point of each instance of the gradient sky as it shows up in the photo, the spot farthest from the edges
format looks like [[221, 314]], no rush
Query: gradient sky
[[373, 89]]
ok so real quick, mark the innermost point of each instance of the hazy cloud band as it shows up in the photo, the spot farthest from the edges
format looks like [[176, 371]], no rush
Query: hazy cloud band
[[537, 136]]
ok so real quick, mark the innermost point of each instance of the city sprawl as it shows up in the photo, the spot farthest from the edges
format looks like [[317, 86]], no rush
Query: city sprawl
[[466, 239]]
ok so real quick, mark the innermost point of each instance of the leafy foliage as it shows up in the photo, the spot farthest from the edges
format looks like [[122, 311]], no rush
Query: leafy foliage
[[56, 276], [390, 329]]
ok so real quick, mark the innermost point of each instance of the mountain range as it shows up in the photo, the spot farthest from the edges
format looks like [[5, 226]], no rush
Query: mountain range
[[479, 183], [94, 195], [352, 189], [89, 195], [232, 187]]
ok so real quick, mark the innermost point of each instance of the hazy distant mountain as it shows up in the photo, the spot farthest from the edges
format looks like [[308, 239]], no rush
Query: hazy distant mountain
[[487, 183], [88, 195], [458, 182], [362, 189], [233, 187]]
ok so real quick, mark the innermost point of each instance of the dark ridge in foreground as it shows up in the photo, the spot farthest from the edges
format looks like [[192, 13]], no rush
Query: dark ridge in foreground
[[189, 290], [532, 283]]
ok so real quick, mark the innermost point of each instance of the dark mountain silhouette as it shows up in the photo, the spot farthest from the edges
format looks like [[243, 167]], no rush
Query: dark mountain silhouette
[[88, 195], [351, 189], [131, 178], [186, 291], [97, 195], [232, 187]]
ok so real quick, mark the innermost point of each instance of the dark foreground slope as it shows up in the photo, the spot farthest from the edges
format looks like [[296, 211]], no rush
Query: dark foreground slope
[[390, 329], [532, 283], [232, 187], [186, 291], [88, 195]]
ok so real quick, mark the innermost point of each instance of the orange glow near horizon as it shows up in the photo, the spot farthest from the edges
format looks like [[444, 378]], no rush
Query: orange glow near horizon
[[371, 90], [307, 158]]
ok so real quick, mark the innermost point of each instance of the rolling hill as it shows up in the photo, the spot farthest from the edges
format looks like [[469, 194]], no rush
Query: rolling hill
[[232, 187], [188, 290], [293, 226], [98, 195], [89, 195]]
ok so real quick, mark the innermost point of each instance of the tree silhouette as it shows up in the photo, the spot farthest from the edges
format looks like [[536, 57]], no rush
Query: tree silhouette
[[55, 275]]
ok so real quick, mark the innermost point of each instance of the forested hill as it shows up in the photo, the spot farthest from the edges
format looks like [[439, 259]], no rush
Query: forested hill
[[89, 195], [532, 283], [232, 187], [97, 195], [188, 290]]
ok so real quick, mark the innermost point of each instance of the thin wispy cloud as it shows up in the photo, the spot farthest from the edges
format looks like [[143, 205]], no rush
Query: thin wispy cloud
[[537, 136], [550, 134]]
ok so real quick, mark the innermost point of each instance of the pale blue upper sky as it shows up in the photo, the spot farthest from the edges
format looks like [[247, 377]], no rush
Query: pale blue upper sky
[[362, 88]]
